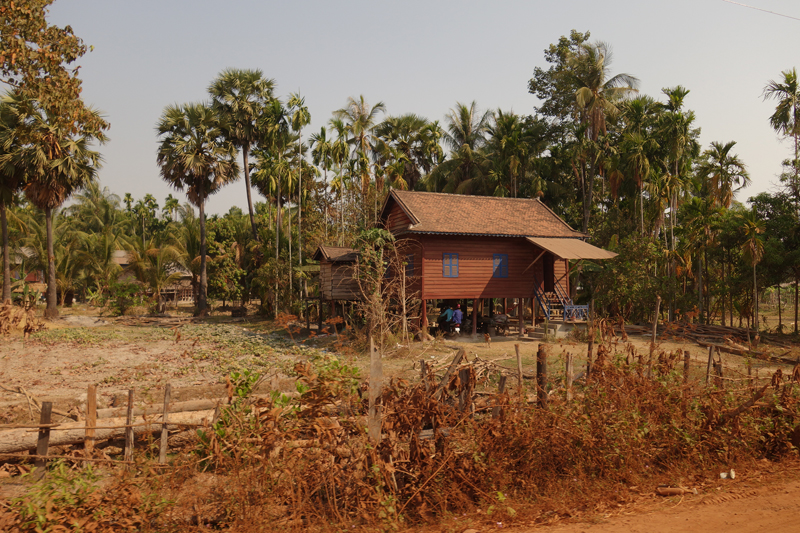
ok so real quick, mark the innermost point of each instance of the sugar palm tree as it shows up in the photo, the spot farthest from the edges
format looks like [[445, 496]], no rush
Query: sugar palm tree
[[413, 137], [786, 118], [12, 179], [596, 99], [241, 98], [195, 155], [58, 162]]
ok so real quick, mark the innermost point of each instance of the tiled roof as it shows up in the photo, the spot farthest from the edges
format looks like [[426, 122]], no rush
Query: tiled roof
[[478, 215], [335, 254]]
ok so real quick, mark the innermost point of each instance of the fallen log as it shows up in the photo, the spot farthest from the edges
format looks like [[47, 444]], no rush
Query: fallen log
[[744, 353], [20, 440]]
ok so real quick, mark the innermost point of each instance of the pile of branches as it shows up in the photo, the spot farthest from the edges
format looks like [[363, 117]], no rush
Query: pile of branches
[[307, 462]]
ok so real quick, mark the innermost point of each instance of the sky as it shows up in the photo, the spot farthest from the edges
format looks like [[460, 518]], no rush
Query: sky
[[422, 57]]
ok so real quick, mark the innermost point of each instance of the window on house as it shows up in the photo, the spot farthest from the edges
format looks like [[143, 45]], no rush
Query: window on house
[[410, 266], [450, 265], [500, 266]]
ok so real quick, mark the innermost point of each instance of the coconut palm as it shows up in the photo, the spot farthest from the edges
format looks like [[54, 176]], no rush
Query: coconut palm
[[596, 99], [786, 118], [241, 98], [195, 155], [58, 162], [753, 250], [466, 167], [723, 172]]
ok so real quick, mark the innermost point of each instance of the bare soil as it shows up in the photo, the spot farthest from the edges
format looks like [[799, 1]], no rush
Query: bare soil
[[764, 498]]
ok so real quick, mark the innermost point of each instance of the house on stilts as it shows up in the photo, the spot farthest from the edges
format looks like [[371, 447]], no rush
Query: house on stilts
[[489, 254]]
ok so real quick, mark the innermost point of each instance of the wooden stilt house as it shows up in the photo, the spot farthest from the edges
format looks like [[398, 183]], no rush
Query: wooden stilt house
[[476, 247]]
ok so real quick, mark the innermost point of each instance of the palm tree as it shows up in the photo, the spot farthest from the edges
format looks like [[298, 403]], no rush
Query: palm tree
[[154, 265], [786, 118], [414, 140], [241, 97], [195, 155], [58, 162], [596, 99], [171, 205], [753, 250], [299, 119], [360, 119], [636, 151], [12, 179], [466, 167], [723, 173]]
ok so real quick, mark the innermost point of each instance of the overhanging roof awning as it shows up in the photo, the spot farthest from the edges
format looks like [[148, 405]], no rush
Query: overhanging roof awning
[[571, 248]]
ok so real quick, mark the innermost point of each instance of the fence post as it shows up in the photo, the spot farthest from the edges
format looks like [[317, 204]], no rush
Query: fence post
[[519, 371], [464, 396], [91, 419], [162, 454], [129, 428], [375, 383], [708, 367], [568, 376], [541, 375], [43, 443], [501, 387], [686, 358]]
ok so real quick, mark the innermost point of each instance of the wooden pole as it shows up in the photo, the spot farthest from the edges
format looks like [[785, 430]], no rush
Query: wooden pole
[[686, 358], [375, 382], [541, 375], [43, 441], [501, 387], [568, 372], [474, 317], [655, 320], [162, 454], [521, 311], [91, 419], [464, 398], [708, 367], [129, 429], [519, 371]]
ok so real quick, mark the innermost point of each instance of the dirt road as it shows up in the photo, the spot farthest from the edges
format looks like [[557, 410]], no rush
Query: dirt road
[[744, 507]]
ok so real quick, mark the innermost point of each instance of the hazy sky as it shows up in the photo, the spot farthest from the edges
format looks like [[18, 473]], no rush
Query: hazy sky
[[421, 57]]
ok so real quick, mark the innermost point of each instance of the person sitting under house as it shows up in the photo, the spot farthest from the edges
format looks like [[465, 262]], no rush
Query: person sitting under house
[[445, 318], [458, 317]]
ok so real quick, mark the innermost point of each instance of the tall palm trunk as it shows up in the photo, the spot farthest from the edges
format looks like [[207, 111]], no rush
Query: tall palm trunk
[[755, 300], [277, 238], [51, 311], [245, 150], [202, 298], [700, 285], [6, 256], [299, 200]]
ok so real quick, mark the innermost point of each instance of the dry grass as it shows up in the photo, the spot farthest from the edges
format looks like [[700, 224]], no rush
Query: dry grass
[[307, 463]]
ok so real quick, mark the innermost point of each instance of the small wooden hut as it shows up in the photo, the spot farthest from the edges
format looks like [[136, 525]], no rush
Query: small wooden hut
[[337, 278]]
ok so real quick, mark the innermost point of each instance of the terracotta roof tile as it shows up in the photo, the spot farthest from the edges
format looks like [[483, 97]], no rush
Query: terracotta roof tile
[[479, 215]]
